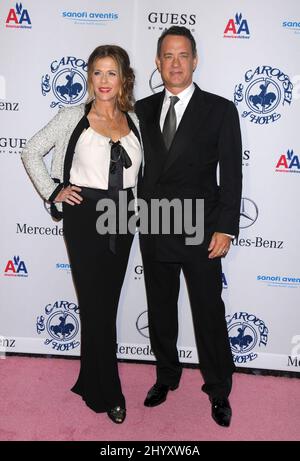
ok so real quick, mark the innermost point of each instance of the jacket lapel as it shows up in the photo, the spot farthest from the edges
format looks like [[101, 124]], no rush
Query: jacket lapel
[[159, 151], [189, 127], [155, 133], [132, 126]]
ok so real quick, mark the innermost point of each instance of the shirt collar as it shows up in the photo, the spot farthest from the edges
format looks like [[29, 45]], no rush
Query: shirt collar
[[183, 95]]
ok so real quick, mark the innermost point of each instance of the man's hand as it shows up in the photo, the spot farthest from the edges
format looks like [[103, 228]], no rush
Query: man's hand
[[219, 245]]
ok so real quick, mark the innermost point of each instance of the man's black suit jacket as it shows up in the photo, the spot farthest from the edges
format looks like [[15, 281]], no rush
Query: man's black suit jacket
[[208, 135]]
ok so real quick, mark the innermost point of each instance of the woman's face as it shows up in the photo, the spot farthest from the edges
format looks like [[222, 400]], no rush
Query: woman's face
[[105, 79]]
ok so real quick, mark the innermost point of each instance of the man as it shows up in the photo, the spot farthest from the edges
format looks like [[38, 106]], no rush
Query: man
[[183, 164]]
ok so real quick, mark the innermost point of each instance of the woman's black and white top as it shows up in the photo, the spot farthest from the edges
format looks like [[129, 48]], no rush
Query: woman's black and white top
[[91, 161]]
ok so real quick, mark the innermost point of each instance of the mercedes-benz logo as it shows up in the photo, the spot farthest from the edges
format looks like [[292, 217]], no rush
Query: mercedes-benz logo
[[155, 82], [248, 213], [142, 324]]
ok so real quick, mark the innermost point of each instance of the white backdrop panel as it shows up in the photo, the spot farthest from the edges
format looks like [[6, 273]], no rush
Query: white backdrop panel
[[253, 44]]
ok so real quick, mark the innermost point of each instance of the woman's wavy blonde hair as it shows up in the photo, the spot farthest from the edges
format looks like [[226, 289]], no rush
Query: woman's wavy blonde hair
[[125, 98]]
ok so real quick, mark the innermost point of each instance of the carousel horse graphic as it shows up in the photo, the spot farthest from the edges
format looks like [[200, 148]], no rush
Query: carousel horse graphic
[[264, 99]]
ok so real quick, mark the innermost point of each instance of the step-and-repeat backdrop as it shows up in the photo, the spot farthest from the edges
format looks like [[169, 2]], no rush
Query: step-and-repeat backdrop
[[249, 52]]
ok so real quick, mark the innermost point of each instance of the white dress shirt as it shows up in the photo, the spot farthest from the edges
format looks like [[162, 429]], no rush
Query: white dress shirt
[[90, 166], [184, 98]]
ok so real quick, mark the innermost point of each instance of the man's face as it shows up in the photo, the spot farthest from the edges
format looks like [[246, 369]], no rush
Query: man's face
[[176, 63]]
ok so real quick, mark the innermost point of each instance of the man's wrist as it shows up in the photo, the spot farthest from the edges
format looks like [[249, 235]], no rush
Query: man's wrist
[[231, 236]]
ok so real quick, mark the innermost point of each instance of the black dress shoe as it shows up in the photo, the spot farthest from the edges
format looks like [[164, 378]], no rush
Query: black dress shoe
[[117, 414], [221, 411], [158, 394]]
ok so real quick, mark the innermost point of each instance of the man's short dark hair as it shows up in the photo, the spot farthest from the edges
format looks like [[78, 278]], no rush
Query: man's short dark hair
[[177, 30]]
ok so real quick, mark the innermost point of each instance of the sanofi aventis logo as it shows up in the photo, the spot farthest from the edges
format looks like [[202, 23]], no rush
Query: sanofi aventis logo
[[279, 280], [90, 17], [292, 25], [63, 267]]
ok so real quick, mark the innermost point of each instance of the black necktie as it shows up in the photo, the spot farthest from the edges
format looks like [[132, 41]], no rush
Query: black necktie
[[119, 159], [169, 128]]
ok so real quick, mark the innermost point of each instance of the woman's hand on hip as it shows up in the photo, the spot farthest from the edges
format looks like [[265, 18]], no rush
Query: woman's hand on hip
[[69, 195]]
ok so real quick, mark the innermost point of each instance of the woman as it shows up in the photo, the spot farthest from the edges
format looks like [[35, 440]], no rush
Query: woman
[[97, 153]]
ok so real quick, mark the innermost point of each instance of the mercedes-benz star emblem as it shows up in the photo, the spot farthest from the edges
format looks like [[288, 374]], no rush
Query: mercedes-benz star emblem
[[248, 213]]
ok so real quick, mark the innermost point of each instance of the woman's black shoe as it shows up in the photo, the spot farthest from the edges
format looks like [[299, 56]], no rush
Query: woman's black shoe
[[117, 414]]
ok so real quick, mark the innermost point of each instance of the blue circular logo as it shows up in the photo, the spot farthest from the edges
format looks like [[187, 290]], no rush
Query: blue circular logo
[[69, 86], [62, 326], [65, 82], [242, 337], [263, 95]]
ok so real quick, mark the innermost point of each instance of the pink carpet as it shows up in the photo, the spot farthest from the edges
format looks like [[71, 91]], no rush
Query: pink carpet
[[36, 404]]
